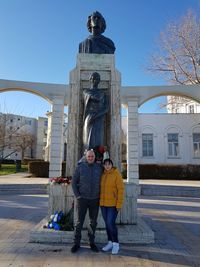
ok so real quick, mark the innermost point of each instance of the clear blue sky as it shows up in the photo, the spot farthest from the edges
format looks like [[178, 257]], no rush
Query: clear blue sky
[[39, 42]]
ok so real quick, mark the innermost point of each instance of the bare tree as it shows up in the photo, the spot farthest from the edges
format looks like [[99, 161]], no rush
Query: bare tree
[[6, 134], [16, 138], [23, 140], [177, 58]]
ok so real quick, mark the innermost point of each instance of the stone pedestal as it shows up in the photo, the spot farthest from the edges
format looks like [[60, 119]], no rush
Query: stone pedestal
[[110, 83], [61, 198], [56, 140], [128, 213]]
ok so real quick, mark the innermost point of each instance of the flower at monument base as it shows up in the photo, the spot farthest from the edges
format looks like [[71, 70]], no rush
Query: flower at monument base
[[60, 221], [55, 221], [101, 153], [61, 180], [101, 149]]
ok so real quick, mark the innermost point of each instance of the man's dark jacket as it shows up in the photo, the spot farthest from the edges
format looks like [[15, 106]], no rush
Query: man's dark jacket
[[86, 180]]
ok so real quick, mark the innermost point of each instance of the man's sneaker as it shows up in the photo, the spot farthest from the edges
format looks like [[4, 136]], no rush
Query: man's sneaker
[[75, 248], [94, 247], [115, 248], [108, 246]]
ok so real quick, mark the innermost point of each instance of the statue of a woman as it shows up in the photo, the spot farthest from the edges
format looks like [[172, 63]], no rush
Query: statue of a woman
[[95, 109]]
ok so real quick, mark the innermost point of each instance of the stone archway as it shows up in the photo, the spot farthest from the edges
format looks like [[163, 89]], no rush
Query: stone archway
[[56, 95], [133, 97]]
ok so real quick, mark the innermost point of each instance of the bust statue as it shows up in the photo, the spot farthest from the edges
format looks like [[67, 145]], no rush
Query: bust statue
[[96, 43], [95, 109]]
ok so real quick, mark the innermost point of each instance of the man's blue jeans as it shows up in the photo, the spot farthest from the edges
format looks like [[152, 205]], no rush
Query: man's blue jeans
[[110, 215]]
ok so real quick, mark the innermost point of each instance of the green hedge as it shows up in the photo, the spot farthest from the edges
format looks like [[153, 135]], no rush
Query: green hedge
[[169, 171], [27, 160], [146, 171], [166, 171], [41, 168]]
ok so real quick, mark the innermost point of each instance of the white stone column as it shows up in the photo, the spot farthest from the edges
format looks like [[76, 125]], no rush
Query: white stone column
[[56, 146], [46, 157], [132, 142], [115, 121]]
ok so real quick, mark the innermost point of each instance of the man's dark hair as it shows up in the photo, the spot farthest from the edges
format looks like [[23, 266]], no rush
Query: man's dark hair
[[108, 160]]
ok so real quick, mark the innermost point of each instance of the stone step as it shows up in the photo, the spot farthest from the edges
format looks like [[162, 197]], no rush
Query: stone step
[[139, 233], [169, 190], [23, 188]]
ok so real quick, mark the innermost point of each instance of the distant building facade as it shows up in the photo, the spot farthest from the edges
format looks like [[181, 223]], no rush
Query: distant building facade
[[168, 138], [177, 104], [17, 136], [28, 136], [163, 138]]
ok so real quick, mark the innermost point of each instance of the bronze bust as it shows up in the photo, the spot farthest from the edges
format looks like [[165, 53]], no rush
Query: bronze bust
[[96, 43]]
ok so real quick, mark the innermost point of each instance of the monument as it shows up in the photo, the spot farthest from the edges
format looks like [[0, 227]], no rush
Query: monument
[[87, 129], [94, 118]]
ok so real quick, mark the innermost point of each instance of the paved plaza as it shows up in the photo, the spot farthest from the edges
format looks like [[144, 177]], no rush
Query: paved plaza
[[175, 221]]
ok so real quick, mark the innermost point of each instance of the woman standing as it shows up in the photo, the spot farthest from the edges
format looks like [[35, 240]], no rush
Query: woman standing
[[111, 199]]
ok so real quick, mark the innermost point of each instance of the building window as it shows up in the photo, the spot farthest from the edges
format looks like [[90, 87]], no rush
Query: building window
[[191, 108], [173, 147], [46, 123], [147, 145], [196, 144]]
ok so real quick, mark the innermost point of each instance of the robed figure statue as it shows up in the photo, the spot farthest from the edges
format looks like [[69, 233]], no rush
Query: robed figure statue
[[96, 43], [95, 109]]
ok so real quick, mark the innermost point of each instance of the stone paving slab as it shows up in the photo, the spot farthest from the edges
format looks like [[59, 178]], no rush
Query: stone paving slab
[[21, 178], [169, 190], [170, 182], [174, 220]]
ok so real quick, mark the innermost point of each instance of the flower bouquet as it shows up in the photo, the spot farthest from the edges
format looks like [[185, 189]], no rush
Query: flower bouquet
[[61, 180], [61, 221], [101, 153]]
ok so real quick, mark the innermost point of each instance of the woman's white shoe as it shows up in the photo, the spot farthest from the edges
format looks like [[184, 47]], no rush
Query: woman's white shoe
[[108, 246], [115, 248]]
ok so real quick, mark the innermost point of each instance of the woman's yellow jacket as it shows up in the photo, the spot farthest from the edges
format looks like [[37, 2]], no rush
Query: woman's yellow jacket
[[112, 189]]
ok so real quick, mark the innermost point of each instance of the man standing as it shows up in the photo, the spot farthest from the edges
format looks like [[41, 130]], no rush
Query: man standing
[[86, 188]]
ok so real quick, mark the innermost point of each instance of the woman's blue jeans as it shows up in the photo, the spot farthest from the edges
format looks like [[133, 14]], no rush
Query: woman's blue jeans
[[110, 215]]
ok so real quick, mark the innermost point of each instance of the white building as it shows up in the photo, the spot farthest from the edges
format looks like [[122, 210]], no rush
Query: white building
[[16, 130], [168, 138], [12, 125], [177, 104]]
